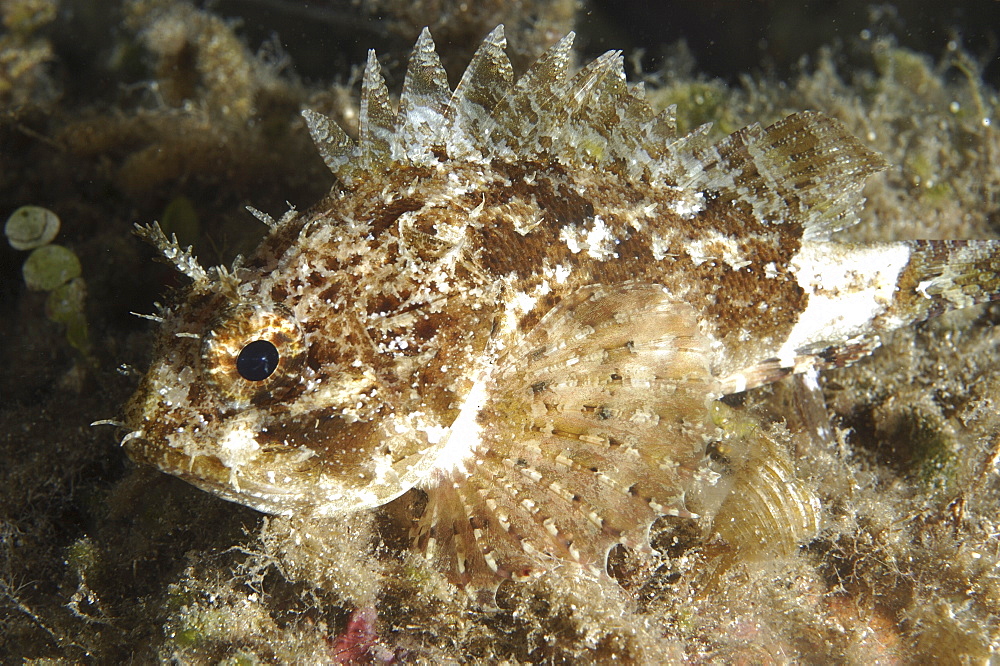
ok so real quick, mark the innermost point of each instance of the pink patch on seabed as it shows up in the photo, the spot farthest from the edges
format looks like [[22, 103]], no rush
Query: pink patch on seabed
[[359, 642]]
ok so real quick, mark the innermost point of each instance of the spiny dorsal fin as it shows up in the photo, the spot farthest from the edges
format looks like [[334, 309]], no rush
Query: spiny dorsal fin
[[546, 114]]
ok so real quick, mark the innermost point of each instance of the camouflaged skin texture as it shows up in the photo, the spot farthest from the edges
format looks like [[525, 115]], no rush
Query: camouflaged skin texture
[[523, 298]]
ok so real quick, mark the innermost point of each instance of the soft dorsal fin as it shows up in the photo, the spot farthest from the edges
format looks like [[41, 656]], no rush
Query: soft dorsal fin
[[806, 168]]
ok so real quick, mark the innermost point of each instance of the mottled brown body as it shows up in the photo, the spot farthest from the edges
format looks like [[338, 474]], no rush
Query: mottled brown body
[[523, 302]]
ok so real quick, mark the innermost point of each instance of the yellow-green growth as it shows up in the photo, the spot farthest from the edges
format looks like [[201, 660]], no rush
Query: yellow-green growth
[[24, 17], [82, 556]]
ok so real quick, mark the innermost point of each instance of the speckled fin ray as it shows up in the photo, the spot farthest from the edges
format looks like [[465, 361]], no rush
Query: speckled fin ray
[[525, 116], [423, 102], [486, 81], [377, 121], [596, 88], [335, 147], [806, 168], [591, 430]]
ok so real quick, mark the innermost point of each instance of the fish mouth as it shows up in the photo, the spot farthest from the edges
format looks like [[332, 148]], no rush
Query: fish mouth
[[276, 480], [208, 473]]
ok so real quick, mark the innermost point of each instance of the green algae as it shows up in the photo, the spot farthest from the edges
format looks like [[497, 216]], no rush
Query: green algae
[[66, 304], [29, 227], [55, 269], [49, 267], [180, 218]]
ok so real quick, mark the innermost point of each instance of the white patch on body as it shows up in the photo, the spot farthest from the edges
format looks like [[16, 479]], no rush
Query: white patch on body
[[598, 241], [465, 434], [569, 234], [523, 302], [236, 447], [688, 204], [715, 246], [661, 246], [698, 252], [848, 287]]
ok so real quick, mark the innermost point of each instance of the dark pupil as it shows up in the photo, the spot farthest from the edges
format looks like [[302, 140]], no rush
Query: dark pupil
[[257, 361]]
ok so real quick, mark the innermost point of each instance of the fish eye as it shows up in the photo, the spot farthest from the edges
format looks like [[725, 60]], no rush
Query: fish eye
[[257, 361], [253, 354]]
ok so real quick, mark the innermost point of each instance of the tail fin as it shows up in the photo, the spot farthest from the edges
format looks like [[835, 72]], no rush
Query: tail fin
[[946, 275]]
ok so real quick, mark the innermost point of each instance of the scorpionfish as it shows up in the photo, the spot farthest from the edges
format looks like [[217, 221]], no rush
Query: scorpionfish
[[522, 298]]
